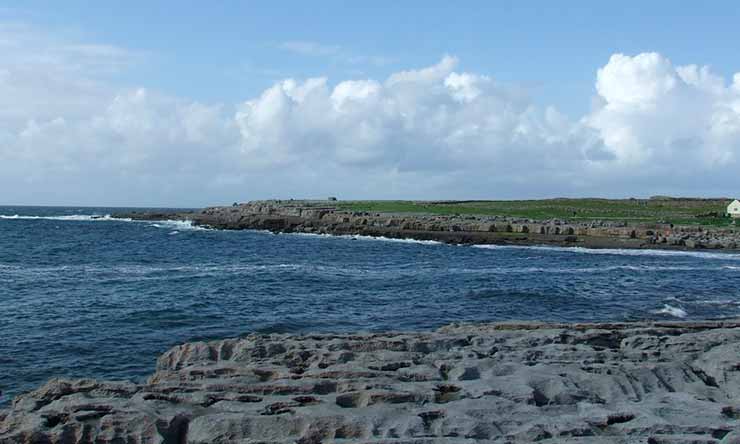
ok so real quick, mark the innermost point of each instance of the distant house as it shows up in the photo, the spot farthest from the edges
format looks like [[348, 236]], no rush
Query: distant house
[[332, 199], [733, 210]]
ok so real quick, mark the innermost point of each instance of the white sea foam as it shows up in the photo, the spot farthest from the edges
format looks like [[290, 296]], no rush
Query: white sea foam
[[145, 272], [563, 270], [70, 217], [671, 311], [717, 302], [617, 251], [173, 225], [177, 225], [709, 302], [390, 239], [369, 238]]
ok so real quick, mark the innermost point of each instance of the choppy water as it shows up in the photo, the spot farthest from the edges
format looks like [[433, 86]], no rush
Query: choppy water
[[103, 298]]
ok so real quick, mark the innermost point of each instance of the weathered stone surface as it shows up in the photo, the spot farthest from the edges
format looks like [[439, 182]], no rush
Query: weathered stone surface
[[526, 382]]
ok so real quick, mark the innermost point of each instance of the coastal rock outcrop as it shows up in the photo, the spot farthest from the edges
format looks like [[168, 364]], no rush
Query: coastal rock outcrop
[[508, 383], [326, 218]]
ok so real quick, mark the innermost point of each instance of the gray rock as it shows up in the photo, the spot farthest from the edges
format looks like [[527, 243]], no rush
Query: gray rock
[[325, 217], [508, 383]]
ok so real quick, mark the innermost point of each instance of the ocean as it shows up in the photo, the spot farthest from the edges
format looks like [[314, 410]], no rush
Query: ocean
[[83, 295]]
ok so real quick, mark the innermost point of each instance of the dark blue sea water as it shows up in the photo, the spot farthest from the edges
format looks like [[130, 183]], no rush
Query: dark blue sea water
[[103, 298]]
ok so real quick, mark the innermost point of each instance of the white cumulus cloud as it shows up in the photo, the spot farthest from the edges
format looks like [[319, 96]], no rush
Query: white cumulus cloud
[[68, 135], [655, 114]]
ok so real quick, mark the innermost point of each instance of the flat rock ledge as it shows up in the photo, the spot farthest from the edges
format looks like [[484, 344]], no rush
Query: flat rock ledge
[[508, 383]]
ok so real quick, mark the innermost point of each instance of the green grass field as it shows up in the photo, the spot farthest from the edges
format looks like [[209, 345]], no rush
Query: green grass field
[[676, 211]]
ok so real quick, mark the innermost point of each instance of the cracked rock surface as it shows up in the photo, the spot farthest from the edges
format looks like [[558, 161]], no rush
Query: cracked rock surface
[[509, 383]]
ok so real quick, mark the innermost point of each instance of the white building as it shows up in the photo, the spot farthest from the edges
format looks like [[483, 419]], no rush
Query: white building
[[734, 209]]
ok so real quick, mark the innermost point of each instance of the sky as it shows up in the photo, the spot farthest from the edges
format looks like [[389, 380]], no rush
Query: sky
[[180, 104]]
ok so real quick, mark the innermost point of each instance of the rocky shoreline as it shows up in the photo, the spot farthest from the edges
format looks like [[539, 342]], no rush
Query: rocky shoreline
[[651, 382], [325, 218]]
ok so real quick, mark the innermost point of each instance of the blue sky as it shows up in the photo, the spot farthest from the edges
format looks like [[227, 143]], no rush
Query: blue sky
[[229, 49], [533, 58]]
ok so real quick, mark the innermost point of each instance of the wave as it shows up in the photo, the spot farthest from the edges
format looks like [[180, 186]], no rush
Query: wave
[[380, 271], [178, 225], [561, 270], [706, 302], [151, 272], [140, 272], [712, 302], [617, 251], [70, 217], [390, 239], [172, 225], [670, 310], [369, 238]]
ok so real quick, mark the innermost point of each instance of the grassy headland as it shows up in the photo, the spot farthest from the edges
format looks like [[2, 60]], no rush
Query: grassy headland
[[679, 211]]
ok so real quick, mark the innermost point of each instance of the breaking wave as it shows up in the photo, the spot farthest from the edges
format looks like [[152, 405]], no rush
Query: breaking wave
[[137, 273], [670, 310], [172, 225], [70, 217], [369, 238], [178, 225], [617, 251], [574, 270]]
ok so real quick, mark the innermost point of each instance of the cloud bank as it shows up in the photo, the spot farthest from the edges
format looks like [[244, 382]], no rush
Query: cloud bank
[[68, 135]]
